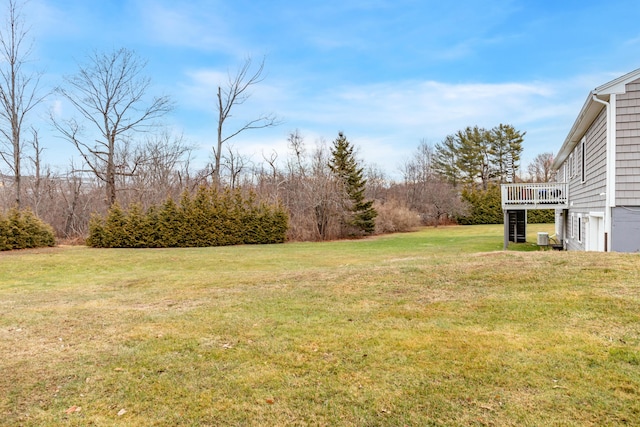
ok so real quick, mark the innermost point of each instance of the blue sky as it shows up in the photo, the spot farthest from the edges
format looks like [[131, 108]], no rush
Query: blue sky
[[388, 73]]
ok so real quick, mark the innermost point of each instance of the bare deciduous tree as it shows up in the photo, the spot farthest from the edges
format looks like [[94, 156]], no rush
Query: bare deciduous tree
[[156, 168], [235, 93], [65, 201], [110, 94], [540, 168], [76, 196], [272, 162], [426, 192], [41, 174], [418, 171], [18, 91], [306, 188], [235, 164], [376, 182], [324, 196], [441, 201]]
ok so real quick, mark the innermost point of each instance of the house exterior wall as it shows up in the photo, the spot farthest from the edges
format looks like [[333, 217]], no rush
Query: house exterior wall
[[585, 172], [604, 195], [625, 229], [625, 216], [628, 146]]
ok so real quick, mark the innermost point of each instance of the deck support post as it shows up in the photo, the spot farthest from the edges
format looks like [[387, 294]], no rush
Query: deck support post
[[506, 230]]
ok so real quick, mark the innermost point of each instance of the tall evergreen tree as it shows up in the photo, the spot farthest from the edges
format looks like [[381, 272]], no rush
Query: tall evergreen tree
[[474, 146], [476, 155], [343, 164], [506, 142], [445, 160]]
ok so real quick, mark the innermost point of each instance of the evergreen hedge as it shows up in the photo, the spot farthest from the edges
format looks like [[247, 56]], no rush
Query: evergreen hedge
[[21, 229], [541, 216], [486, 208], [208, 218]]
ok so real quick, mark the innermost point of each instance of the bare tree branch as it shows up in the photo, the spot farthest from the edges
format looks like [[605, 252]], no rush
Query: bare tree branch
[[109, 93], [19, 92], [540, 169], [235, 93]]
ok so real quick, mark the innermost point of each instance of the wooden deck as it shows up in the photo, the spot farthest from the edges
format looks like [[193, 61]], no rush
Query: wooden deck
[[523, 196]]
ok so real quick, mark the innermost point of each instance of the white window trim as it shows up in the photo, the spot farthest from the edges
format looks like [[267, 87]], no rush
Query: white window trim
[[580, 228], [571, 165], [572, 222], [583, 159]]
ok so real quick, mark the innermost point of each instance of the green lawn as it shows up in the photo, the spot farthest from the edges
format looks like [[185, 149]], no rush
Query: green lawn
[[436, 327]]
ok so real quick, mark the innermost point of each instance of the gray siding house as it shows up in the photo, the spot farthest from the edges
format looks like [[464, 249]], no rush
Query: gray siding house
[[600, 163]]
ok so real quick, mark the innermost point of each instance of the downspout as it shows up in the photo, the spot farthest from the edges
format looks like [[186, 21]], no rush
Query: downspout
[[610, 181]]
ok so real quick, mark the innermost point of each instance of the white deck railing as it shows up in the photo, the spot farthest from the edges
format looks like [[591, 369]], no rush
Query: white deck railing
[[547, 195]]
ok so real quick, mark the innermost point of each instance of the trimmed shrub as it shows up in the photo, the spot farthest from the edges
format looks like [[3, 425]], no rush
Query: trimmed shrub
[[114, 228], [169, 226], [21, 229], [541, 216], [97, 232], [486, 206], [4, 233], [137, 227], [208, 218]]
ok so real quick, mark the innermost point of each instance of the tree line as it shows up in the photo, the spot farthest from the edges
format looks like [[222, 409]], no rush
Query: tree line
[[130, 158]]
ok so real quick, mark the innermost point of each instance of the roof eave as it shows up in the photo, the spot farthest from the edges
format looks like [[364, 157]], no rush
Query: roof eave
[[590, 111]]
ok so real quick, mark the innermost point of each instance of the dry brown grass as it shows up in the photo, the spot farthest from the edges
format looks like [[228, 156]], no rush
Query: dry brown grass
[[427, 328]]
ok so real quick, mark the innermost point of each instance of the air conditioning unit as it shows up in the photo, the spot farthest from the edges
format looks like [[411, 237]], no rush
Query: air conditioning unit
[[543, 239]]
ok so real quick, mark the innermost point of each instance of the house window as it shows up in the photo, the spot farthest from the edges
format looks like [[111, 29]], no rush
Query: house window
[[571, 165], [579, 225], [572, 229], [583, 159]]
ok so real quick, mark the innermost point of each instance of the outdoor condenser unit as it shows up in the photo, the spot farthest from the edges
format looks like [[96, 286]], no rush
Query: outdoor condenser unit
[[543, 239]]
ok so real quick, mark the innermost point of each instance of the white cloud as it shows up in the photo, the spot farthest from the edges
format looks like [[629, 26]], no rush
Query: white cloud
[[388, 120], [199, 90], [55, 108], [426, 108], [197, 25]]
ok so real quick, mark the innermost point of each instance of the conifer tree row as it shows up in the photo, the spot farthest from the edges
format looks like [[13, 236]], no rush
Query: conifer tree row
[[208, 218], [479, 156], [478, 160]]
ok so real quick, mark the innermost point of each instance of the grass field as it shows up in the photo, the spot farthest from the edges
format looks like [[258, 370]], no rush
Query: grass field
[[436, 327]]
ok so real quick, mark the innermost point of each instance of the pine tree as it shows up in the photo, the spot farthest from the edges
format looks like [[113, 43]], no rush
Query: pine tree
[[445, 160], [506, 142], [474, 146], [478, 156], [343, 164]]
